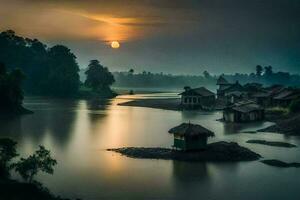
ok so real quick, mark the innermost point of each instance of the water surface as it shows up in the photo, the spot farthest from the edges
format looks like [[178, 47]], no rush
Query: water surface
[[77, 132]]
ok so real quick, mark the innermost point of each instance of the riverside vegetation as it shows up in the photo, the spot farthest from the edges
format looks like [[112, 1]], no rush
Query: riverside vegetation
[[27, 168]]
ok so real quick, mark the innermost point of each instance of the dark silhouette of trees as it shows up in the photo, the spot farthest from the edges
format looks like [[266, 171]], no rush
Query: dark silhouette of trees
[[98, 77], [49, 71], [268, 70], [131, 71], [259, 70], [10, 90], [41, 160], [261, 75], [8, 151], [63, 78], [206, 74], [295, 106]]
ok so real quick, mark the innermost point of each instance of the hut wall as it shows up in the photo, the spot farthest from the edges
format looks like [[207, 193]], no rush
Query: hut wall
[[229, 116], [179, 142], [197, 101]]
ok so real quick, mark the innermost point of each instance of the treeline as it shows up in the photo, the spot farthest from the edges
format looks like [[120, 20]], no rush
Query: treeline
[[266, 76], [160, 80], [263, 75], [52, 71], [49, 71]]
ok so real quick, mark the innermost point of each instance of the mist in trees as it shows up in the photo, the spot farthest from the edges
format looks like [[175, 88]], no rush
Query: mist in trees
[[49, 71], [263, 75]]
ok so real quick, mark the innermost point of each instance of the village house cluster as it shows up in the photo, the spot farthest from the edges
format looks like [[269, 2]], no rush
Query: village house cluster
[[240, 103]]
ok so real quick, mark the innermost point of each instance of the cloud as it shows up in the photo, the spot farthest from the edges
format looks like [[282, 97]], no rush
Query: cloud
[[100, 20]]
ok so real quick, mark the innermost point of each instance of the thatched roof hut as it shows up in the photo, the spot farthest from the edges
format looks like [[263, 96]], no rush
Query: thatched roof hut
[[189, 136], [188, 129]]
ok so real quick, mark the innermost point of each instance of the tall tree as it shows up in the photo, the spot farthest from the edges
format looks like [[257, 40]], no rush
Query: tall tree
[[10, 90], [206, 74], [63, 78], [259, 70], [98, 77], [268, 70]]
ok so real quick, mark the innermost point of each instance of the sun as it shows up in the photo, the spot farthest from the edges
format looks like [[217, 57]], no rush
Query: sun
[[115, 44]]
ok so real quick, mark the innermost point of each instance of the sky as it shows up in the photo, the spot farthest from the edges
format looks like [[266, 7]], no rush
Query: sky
[[170, 36]]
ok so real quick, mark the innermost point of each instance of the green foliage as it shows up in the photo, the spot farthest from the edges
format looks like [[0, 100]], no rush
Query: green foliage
[[295, 106], [41, 160], [8, 151], [98, 77], [49, 71]]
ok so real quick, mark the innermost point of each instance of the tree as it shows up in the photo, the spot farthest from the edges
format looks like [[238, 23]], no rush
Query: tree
[[131, 71], [63, 78], [206, 74], [41, 160], [259, 70], [98, 77], [268, 70], [8, 151], [49, 71], [10, 89]]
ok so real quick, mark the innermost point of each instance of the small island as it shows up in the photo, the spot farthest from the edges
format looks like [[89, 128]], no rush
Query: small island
[[272, 143], [215, 152], [190, 144]]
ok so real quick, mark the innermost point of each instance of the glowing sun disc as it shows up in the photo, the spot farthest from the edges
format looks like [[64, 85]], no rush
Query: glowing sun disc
[[115, 44]]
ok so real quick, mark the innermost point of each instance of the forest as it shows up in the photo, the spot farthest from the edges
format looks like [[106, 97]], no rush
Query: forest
[[50, 71], [264, 75]]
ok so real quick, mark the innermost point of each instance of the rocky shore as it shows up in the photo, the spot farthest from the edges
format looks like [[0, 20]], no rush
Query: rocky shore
[[215, 152], [272, 143]]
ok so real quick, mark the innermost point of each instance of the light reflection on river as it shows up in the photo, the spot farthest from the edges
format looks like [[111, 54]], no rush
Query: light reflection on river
[[79, 131]]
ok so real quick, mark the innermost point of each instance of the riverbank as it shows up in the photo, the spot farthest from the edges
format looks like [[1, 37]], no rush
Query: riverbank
[[15, 112], [215, 152], [14, 190], [272, 143], [165, 104], [285, 124]]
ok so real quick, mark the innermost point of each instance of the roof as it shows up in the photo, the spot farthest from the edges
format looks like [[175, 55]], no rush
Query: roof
[[233, 87], [261, 94], [193, 130], [246, 106], [286, 94], [222, 81], [202, 91]]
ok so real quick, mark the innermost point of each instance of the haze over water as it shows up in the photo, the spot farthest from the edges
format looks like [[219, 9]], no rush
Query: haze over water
[[77, 132]]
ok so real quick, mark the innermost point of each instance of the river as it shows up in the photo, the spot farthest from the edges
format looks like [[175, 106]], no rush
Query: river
[[77, 132]]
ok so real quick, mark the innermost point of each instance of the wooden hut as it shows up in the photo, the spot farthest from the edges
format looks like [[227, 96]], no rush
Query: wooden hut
[[197, 98], [244, 111], [189, 136]]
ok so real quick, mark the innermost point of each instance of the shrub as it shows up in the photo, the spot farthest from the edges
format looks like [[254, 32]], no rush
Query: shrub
[[295, 106]]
